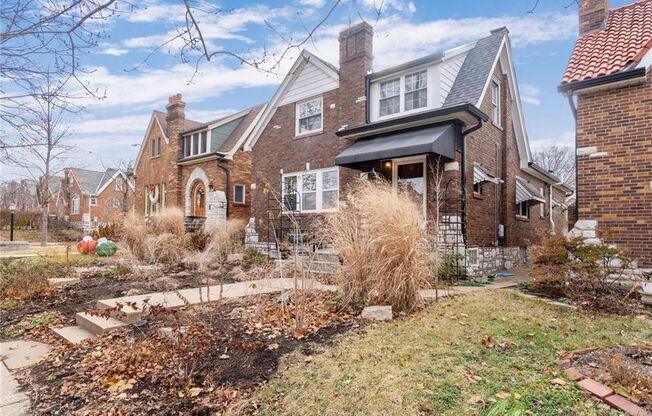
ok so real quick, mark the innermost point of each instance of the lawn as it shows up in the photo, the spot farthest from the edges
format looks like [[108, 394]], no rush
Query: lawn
[[34, 236], [492, 353]]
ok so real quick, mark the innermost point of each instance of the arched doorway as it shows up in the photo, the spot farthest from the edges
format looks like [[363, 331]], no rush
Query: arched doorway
[[198, 199]]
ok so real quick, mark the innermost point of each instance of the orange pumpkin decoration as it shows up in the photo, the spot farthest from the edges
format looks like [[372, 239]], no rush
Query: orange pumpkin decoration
[[86, 247]]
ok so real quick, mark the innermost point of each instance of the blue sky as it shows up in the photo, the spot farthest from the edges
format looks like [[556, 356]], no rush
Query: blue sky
[[112, 128]]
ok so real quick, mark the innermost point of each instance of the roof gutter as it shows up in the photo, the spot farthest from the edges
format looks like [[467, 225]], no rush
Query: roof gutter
[[622, 76]]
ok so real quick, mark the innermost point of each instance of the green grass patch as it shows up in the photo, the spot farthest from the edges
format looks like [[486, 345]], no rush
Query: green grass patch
[[492, 353]]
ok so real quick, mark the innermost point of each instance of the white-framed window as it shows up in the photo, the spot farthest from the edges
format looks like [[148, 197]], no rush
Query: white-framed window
[[239, 196], [92, 201], [477, 188], [311, 191], [309, 116], [155, 147], [196, 144], [523, 209], [116, 203], [390, 97], [542, 205], [74, 205], [119, 184], [416, 90], [495, 102]]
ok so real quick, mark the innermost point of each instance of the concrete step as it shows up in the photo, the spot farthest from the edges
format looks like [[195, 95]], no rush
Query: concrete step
[[73, 334], [127, 314], [97, 325]]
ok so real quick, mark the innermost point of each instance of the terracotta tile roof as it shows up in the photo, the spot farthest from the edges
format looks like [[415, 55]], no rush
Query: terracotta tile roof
[[625, 40]]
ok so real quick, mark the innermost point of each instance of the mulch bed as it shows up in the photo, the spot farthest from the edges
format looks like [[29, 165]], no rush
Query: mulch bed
[[213, 359], [626, 369]]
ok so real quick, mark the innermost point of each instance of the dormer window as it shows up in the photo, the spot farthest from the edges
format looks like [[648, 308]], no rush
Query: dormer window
[[196, 144], [390, 97], [309, 116], [403, 94], [416, 90]]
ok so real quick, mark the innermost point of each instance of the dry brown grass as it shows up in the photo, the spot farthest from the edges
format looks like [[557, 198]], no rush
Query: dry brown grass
[[134, 232], [224, 239], [169, 220], [165, 248], [379, 236]]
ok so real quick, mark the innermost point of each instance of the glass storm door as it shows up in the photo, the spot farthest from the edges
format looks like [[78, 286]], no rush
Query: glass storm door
[[410, 174]]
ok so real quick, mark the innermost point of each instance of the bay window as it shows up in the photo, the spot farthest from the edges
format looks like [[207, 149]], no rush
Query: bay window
[[309, 116], [311, 191]]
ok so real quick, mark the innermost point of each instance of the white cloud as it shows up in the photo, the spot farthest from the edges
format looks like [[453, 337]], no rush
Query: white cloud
[[208, 115], [312, 3], [117, 125], [151, 11], [565, 139], [530, 94], [114, 51]]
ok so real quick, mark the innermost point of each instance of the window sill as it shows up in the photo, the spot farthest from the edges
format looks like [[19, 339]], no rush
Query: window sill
[[498, 126], [522, 218], [477, 195], [155, 157], [308, 134]]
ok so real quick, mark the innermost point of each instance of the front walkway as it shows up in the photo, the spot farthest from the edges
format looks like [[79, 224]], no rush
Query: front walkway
[[15, 355]]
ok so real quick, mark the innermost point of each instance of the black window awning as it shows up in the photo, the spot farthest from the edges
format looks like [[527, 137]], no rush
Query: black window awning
[[439, 140]]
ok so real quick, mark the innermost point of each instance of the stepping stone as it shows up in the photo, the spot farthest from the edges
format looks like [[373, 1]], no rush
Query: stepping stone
[[377, 313], [19, 354], [96, 324], [63, 281], [73, 334], [597, 389], [619, 402]]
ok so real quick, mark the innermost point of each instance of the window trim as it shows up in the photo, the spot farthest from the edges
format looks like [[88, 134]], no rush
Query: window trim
[[406, 92], [403, 92], [120, 181], [191, 138], [92, 201], [244, 194], [518, 210], [496, 107], [319, 191], [297, 120], [399, 95], [74, 211]]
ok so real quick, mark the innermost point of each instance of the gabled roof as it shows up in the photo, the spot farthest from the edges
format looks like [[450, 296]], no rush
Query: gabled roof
[[304, 58], [92, 182], [624, 41], [476, 69]]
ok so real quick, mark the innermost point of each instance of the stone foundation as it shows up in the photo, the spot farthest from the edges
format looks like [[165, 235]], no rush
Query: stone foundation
[[482, 261]]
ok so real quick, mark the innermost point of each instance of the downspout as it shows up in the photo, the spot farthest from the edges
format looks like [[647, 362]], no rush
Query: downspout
[[550, 210], [463, 170], [227, 192], [573, 107]]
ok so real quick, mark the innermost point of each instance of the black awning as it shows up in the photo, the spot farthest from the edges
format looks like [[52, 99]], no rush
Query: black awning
[[439, 140]]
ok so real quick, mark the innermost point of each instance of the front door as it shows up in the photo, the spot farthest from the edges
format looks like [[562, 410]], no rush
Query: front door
[[198, 200], [410, 174]]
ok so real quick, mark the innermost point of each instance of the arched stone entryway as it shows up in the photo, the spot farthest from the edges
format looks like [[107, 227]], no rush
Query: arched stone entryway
[[196, 192]]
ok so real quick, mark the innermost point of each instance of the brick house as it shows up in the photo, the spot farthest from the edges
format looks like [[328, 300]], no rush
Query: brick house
[[458, 111], [198, 167], [608, 83], [93, 198]]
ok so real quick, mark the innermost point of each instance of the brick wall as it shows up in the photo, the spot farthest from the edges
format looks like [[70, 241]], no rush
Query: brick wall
[[614, 181], [156, 170], [240, 168]]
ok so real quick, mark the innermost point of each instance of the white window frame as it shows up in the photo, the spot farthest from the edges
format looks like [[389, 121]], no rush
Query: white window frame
[[319, 191], [74, 205], [92, 201], [119, 184], [244, 194], [496, 102], [430, 83], [399, 95], [196, 137], [518, 210], [297, 133], [542, 208], [406, 92]]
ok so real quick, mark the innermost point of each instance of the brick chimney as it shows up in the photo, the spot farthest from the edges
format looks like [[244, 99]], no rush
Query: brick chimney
[[593, 15], [356, 61], [175, 118]]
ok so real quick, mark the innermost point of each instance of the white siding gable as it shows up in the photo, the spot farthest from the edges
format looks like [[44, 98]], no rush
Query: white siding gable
[[309, 82], [448, 72]]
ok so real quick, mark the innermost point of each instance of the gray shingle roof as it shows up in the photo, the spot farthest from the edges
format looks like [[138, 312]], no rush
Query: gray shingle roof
[[475, 70], [90, 181]]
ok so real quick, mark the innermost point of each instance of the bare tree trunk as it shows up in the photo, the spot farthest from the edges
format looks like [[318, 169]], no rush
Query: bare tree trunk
[[44, 225]]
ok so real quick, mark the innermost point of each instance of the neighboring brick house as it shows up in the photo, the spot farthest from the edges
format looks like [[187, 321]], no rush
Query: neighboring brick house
[[198, 167], [458, 110], [94, 198], [609, 85]]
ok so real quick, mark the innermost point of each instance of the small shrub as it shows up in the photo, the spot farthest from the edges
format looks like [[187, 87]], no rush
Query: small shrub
[[169, 220], [26, 279], [587, 274], [224, 238], [379, 235], [198, 240], [255, 257], [165, 248], [109, 231], [133, 234]]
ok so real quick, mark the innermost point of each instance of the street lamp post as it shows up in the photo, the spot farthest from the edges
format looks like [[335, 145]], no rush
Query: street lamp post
[[12, 209]]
